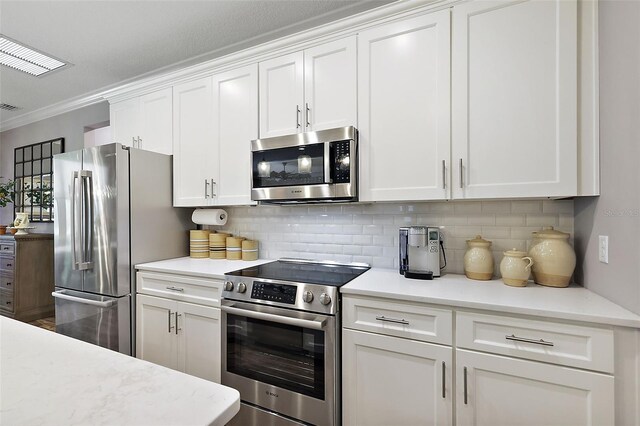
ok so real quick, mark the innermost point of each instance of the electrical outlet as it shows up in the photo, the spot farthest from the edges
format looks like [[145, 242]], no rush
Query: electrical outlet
[[603, 248]]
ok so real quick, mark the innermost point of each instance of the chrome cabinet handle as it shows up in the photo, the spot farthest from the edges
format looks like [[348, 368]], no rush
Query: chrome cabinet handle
[[307, 114], [396, 321], [139, 142], [525, 340], [444, 174], [213, 184], [206, 188], [133, 142], [172, 288], [9, 264], [465, 386], [444, 369], [297, 116], [169, 321], [177, 315], [461, 174]]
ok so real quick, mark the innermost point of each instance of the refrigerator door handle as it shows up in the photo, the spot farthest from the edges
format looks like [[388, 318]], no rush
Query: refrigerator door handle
[[76, 237], [62, 294], [86, 230]]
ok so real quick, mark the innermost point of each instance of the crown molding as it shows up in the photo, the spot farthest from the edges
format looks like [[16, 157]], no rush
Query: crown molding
[[141, 85]]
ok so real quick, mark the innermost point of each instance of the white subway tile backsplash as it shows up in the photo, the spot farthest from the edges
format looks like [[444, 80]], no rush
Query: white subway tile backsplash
[[369, 232]]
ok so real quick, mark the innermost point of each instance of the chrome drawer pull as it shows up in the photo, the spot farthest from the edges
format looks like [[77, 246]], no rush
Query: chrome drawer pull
[[175, 288], [525, 340], [397, 321]]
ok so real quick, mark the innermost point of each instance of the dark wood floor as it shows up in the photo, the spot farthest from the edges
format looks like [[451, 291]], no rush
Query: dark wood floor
[[46, 323]]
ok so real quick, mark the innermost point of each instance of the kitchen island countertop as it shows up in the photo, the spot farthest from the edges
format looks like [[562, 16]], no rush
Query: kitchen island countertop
[[51, 379], [572, 303]]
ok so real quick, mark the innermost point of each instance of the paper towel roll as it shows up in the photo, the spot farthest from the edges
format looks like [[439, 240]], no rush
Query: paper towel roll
[[209, 217]]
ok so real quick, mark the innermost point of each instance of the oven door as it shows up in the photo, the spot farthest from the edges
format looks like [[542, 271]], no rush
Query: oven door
[[282, 360]]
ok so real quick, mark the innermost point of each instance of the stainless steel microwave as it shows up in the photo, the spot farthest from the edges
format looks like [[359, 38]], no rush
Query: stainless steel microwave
[[306, 167]]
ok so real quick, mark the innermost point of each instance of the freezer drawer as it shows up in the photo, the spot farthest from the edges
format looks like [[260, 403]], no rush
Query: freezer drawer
[[103, 321]]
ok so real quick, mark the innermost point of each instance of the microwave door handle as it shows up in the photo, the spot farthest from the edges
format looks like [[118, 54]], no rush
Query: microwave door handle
[[280, 319], [327, 162]]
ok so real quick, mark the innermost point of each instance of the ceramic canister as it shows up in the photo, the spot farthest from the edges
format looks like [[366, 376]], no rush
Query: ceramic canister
[[478, 260], [199, 243], [515, 268], [553, 258], [234, 248]]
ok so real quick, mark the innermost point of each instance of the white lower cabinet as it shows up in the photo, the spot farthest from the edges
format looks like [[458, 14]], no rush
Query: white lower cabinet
[[394, 381], [495, 390], [178, 335]]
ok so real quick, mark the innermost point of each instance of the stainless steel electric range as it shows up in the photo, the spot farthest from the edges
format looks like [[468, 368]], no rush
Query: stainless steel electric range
[[281, 341]]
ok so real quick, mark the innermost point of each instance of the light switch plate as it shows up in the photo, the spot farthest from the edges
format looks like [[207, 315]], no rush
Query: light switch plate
[[603, 248]]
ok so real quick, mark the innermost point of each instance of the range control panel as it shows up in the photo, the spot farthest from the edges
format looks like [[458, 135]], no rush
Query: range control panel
[[281, 293]]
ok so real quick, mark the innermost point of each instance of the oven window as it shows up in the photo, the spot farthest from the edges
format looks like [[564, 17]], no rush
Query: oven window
[[291, 166], [282, 355]]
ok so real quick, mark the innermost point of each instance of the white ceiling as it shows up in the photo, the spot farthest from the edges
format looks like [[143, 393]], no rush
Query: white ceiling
[[109, 42]]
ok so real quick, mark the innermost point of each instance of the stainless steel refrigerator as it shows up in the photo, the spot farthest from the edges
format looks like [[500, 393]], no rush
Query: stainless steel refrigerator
[[113, 210]]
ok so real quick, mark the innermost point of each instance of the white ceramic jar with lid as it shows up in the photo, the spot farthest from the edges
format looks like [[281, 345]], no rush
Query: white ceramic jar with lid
[[553, 258], [515, 268], [478, 260]]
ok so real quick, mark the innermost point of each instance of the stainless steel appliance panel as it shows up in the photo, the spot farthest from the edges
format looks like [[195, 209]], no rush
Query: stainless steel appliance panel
[[101, 320], [275, 362], [107, 190], [250, 415], [65, 168]]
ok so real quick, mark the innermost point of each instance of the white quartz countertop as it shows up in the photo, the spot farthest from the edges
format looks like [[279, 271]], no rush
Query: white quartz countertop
[[51, 379], [206, 268], [571, 303]]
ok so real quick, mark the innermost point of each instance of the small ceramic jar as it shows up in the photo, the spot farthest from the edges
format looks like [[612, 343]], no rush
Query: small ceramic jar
[[478, 260], [21, 220], [553, 258], [515, 268]]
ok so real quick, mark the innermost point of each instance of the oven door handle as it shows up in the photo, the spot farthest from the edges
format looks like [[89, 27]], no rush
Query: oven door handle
[[315, 325]]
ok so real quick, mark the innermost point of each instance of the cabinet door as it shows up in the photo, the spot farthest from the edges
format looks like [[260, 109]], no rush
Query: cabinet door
[[403, 109], [507, 391], [281, 95], [514, 86], [392, 381], [195, 155], [330, 85], [235, 123], [199, 341], [155, 330], [156, 121], [124, 121]]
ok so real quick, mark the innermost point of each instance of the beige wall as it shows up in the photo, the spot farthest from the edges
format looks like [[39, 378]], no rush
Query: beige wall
[[616, 212], [69, 126]]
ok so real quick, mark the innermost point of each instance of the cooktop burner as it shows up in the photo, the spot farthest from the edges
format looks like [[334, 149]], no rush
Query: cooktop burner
[[304, 271]]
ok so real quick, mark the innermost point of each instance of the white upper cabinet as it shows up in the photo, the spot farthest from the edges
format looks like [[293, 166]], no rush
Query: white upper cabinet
[[514, 99], [330, 85], [144, 122], [195, 152], [403, 109], [235, 124], [310, 90]]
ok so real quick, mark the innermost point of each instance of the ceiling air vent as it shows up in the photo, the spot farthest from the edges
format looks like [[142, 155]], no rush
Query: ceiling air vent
[[8, 107], [23, 58]]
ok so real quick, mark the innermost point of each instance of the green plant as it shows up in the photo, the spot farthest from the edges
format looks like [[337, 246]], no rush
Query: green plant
[[6, 193]]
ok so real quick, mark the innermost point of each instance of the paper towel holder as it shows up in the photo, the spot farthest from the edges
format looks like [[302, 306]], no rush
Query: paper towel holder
[[209, 217]]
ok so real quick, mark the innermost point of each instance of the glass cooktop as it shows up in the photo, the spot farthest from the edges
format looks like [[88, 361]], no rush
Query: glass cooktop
[[306, 272]]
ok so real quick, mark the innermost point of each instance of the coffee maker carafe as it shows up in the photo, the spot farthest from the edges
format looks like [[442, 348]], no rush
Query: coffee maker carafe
[[419, 249]]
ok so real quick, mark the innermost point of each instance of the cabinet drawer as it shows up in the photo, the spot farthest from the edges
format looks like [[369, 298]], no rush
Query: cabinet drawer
[[7, 264], [401, 319], [6, 300], [7, 248], [557, 343], [203, 291], [6, 282]]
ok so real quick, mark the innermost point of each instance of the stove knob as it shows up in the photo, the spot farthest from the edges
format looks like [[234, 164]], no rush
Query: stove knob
[[307, 296], [325, 299], [242, 287], [228, 286]]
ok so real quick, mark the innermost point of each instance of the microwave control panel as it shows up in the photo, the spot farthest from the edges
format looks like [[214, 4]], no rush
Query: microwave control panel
[[341, 161], [281, 293]]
